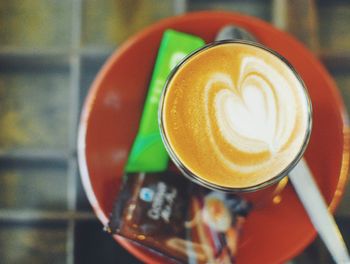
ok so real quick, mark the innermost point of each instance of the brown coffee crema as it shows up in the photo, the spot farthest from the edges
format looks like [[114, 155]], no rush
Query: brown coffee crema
[[235, 115]]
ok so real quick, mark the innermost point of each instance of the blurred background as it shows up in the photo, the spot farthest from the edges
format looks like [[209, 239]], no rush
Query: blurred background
[[50, 51]]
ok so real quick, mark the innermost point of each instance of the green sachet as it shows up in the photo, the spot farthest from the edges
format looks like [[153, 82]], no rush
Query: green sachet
[[148, 153]]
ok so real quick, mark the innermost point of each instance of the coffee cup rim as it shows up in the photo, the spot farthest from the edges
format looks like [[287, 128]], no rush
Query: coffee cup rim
[[197, 179]]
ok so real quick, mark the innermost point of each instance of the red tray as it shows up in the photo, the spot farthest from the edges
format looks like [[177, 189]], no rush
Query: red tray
[[272, 234]]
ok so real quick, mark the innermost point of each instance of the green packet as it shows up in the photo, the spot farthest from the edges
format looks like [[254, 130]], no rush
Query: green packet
[[148, 153]]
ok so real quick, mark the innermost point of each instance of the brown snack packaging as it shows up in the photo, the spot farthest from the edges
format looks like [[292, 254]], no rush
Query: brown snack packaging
[[172, 217]]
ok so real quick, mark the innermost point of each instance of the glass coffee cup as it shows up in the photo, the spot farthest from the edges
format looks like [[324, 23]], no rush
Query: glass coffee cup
[[235, 116]]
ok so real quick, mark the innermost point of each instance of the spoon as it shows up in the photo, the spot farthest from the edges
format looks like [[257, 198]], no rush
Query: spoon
[[304, 183]]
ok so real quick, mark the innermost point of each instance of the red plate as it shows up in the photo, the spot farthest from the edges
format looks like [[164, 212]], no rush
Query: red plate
[[109, 122]]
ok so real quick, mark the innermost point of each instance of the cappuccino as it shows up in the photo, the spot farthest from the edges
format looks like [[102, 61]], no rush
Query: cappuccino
[[235, 115]]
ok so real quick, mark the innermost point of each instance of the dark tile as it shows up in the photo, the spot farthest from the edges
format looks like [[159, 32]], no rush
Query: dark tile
[[109, 22], [257, 8], [93, 245], [35, 24], [33, 243], [334, 18], [34, 109], [344, 226], [41, 187]]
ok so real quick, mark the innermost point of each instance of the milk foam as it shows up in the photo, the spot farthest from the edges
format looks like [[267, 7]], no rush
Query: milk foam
[[257, 114], [250, 110], [241, 120]]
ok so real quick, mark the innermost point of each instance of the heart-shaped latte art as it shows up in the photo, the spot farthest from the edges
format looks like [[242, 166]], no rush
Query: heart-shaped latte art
[[236, 116], [258, 113], [251, 113]]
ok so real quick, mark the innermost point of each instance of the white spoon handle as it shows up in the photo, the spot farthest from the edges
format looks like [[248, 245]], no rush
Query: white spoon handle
[[316, 207], [304, 184]]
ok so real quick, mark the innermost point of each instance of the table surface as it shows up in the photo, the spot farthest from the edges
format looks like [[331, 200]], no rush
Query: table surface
[[50, 51]]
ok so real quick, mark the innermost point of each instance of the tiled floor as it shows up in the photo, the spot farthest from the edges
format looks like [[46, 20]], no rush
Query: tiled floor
[[50, 51], [33, 243], [35, 110]]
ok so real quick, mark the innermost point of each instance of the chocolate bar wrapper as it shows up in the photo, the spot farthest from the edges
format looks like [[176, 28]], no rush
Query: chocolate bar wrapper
[[171, 216]]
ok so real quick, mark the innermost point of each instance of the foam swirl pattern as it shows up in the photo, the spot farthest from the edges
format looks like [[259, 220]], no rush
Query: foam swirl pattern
[[235, 115]]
